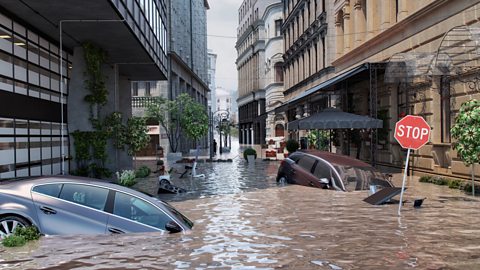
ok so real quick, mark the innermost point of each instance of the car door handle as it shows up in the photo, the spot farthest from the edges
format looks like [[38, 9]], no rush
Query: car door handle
[[48, 210], [115, 231]]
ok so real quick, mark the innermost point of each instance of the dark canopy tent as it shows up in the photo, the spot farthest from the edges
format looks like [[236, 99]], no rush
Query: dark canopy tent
[[333, 118]]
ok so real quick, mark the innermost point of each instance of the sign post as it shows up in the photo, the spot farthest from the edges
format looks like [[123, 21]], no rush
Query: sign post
[[411, 132]]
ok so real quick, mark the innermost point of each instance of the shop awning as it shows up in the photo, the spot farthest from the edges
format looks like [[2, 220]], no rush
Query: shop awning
[[323, 85], [333, 118]]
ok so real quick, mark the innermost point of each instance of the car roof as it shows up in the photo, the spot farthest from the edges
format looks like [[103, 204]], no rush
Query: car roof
[[31, 181], [336, 159]]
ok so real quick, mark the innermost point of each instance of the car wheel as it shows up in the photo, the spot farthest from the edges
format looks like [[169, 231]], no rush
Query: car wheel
[[282, 180], [8, 225]]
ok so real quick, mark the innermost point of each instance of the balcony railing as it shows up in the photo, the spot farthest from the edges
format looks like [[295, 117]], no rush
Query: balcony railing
[[142, 102]]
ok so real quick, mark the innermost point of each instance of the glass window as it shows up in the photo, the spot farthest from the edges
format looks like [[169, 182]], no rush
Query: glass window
[[6, 64], [90, 196], [136, 209], [20, 69], [278, 27], [5, 40], [306, 162], [49, 189]]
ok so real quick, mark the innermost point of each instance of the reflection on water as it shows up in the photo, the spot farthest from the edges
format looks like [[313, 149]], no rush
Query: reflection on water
[[289, 227]]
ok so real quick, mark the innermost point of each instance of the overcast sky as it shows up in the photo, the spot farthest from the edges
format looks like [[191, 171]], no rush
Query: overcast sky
[[223, 21]]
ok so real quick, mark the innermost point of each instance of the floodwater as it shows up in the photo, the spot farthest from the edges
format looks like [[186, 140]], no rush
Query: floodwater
[[243, 220]]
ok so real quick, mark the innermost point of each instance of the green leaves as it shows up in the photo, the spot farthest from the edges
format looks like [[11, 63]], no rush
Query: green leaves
[[467, 132]]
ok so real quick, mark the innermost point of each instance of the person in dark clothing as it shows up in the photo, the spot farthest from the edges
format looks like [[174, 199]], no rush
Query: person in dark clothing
[[214, 147]]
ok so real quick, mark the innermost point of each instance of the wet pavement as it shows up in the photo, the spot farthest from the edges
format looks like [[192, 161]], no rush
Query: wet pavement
[[244, 220]]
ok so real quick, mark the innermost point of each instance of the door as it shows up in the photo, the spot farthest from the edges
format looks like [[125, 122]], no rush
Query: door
[[133, 214], [303, 171], [70, 208]]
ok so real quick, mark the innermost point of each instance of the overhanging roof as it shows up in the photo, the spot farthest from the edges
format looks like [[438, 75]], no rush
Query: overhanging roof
[[333, 118], [323, 85], [116, 38]]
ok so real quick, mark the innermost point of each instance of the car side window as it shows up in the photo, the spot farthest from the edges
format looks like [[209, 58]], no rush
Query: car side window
[[306, 163], [133, 208], [90, 196], [48, 189], [323, 170]]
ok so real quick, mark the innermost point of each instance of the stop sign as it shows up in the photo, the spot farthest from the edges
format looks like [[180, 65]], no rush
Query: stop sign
[[412, 132]]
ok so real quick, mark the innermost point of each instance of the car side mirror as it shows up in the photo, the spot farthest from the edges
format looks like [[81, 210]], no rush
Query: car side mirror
[[172, 227], [324, 181]]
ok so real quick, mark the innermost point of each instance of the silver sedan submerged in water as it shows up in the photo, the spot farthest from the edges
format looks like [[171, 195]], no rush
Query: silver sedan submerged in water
[[76, 205]]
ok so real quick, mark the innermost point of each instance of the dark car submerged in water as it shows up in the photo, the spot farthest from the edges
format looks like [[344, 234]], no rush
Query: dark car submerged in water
[[330, 171], [76, 205]]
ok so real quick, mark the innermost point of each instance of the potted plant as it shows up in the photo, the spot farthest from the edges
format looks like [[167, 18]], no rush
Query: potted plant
[[292, 146], [250, 155]]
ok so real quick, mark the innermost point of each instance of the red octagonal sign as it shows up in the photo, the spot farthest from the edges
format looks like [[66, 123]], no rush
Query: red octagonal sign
[[412, 132]]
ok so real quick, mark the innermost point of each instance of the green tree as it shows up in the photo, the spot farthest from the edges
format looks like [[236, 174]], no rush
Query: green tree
[[194, 122], [467, 133], [136, 135], [169, 114]]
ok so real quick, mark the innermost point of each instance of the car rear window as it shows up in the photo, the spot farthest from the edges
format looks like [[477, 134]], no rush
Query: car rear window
[[90, 196]]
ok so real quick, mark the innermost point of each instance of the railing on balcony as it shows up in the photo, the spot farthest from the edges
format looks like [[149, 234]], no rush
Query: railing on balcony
[[142, 102]]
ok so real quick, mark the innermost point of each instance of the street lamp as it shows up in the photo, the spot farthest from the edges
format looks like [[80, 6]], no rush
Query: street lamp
[[217, 118]]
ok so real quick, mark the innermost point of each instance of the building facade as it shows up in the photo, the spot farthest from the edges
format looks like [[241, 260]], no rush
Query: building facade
[[37, 112], [387, 59], [212, 66], [257, 22], [188, 55]]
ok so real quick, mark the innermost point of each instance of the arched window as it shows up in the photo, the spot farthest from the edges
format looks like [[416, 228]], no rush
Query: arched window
[[279, 130]]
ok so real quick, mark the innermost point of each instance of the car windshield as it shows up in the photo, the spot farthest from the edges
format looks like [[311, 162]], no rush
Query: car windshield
[[360, 178]]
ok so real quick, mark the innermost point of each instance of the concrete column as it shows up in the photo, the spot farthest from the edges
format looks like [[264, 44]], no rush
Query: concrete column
[[403, 8], [388, 16], [372, 18], [360, 22], [252, 138], [347, 29], [339, 35], [125, 107]]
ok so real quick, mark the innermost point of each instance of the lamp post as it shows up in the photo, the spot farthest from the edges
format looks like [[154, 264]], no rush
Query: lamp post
[[216, 119]]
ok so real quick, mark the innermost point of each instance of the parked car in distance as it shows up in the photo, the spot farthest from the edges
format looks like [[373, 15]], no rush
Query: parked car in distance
[[330, 171], [76, 205]]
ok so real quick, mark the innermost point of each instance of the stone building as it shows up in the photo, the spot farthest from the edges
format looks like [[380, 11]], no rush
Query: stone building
[[258, 47], [397, 57], [212, 85], [37, 111]]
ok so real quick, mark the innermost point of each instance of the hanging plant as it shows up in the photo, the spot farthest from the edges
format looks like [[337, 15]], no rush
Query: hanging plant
[[95, 58]]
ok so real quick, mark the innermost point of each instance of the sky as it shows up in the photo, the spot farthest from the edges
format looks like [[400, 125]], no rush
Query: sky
[[222, 20]]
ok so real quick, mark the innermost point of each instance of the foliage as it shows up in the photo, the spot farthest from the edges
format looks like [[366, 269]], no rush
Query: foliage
[[90, 153], [467, 132], [21, 235], [169, 114], [95, 57], [136, 135], [142, 172], [126, 178], [451, 183], [319, 139], [292, 146], [312, 139], [194, 120], [249, 152]]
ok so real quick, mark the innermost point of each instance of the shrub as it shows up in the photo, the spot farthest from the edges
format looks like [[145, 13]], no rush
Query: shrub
[[21, 236], [142, 172], [292, 146], [454, 183], [425, 179], [126, 178], [249, 152]]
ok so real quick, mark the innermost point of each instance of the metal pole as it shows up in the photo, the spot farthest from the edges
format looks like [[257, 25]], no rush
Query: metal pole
[[211, 136], [473, 179], [403, 182], [62, 148]]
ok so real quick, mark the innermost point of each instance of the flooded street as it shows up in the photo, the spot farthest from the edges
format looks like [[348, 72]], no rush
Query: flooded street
[[243, 220]]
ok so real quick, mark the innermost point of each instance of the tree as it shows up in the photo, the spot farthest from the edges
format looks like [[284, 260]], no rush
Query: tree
[[467, 133], [136, 135], [169, 113], [194, 122]]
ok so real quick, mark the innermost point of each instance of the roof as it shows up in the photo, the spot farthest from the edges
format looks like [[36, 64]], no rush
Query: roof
[[337, 159]]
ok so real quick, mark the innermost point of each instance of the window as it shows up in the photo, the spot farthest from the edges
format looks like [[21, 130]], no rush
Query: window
[[278, 72], [50, 189], [90, 196], [323, 170], [136, 209], [134, 89], [147, 89], [306, 162], [278, 27]]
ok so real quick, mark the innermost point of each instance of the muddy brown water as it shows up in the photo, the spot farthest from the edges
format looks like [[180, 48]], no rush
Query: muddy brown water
[[264, 226]]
